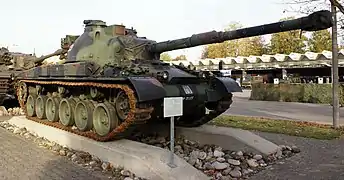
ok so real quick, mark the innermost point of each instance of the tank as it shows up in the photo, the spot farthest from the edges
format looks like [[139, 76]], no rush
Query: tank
[[113, 82], [7, 76], [11, 64], [7, 92]]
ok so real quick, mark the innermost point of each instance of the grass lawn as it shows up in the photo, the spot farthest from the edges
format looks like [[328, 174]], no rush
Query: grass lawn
[[288, 127]]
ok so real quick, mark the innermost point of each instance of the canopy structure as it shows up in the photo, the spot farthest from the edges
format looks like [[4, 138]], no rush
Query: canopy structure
[[279, 61]]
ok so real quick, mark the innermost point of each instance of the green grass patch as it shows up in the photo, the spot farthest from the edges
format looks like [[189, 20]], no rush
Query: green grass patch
[[288, 127]]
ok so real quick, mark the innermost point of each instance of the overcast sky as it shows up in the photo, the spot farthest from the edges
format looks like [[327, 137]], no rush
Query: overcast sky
[[40, 24]]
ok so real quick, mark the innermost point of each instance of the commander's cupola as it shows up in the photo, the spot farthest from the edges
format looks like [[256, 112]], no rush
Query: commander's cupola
[[93, 25]]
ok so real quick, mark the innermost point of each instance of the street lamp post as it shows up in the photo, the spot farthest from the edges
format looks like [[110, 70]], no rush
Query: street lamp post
[[335, 78]]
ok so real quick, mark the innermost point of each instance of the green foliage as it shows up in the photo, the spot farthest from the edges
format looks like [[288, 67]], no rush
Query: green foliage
[[234, 25], [288, 127], [251, 46], [165, 57], [287, 42], [180, 57], [307, 93], [320, 40]]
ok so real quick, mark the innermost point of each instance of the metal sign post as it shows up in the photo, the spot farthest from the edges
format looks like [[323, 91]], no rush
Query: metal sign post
[[173, 106]]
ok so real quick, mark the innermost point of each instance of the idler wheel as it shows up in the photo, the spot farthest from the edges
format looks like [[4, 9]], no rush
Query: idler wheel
[[30, 105], [66, 112], [40, 106], [104, 118], [83, 114], [122, 105], [52, 109]]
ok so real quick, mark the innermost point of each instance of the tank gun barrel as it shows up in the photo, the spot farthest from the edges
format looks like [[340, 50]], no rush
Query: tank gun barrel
[[316, 21], [42, 58]]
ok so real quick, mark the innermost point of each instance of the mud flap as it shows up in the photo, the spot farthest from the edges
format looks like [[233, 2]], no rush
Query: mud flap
[[224, 86], [207, 111], [229, 84], [147, 88]]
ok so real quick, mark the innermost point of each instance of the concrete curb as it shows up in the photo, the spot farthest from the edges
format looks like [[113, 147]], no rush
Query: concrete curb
[[226, 137], [144, 160], [229, 138]]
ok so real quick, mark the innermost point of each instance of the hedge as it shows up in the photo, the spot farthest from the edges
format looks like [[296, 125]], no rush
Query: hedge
[[307, 93]]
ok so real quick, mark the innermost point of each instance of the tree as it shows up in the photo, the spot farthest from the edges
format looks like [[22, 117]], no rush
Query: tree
[[217, 50], [251, 46], [237, 47], [205, 52], [180, 57], [165, 57], [320, 40], [287, 42], [310, 6]]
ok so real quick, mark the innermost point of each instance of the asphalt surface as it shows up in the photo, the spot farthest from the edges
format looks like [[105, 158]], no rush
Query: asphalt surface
[[318, 160], [21, 159], [320, 113]]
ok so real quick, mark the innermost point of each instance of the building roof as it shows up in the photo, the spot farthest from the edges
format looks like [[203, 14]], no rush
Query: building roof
[[277, 60]]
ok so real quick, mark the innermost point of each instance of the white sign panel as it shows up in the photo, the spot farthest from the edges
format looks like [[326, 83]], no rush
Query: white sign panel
[[173, 106], [320, 80], [226, 72]]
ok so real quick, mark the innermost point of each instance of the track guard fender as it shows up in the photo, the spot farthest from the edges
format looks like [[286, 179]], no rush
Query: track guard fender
[[147, 88], [224, 86], [229, 84]]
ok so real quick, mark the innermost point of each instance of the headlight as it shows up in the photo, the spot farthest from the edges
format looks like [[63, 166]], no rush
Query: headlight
[[165, 75], [202, 75]]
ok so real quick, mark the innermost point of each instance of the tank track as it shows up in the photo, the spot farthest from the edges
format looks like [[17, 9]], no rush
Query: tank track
[[138, 115]]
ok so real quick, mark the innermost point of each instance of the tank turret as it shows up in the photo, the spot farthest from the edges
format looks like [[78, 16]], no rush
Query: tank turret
[[121, 45], [112, 81]]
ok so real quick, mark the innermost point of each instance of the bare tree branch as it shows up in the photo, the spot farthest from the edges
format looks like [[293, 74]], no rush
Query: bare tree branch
[[310, 6], [338, 5]]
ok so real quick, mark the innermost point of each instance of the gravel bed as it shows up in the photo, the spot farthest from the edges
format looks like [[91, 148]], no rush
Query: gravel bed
[[216, 162], [11, 111]]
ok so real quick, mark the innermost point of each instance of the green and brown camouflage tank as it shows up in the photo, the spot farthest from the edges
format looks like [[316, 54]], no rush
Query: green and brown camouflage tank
[[11, 64], [112, 81], [8, 71]]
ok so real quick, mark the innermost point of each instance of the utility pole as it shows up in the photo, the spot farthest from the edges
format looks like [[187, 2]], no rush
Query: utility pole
[[335, 78]]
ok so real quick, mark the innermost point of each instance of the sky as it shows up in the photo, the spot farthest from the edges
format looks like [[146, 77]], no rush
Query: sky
[[38, 25]]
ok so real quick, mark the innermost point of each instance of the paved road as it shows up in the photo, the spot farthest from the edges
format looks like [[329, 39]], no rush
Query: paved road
[[21, 159], [283, 110], [318, 160]]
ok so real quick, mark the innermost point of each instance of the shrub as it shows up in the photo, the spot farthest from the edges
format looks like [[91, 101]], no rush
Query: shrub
[[307, 93]]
